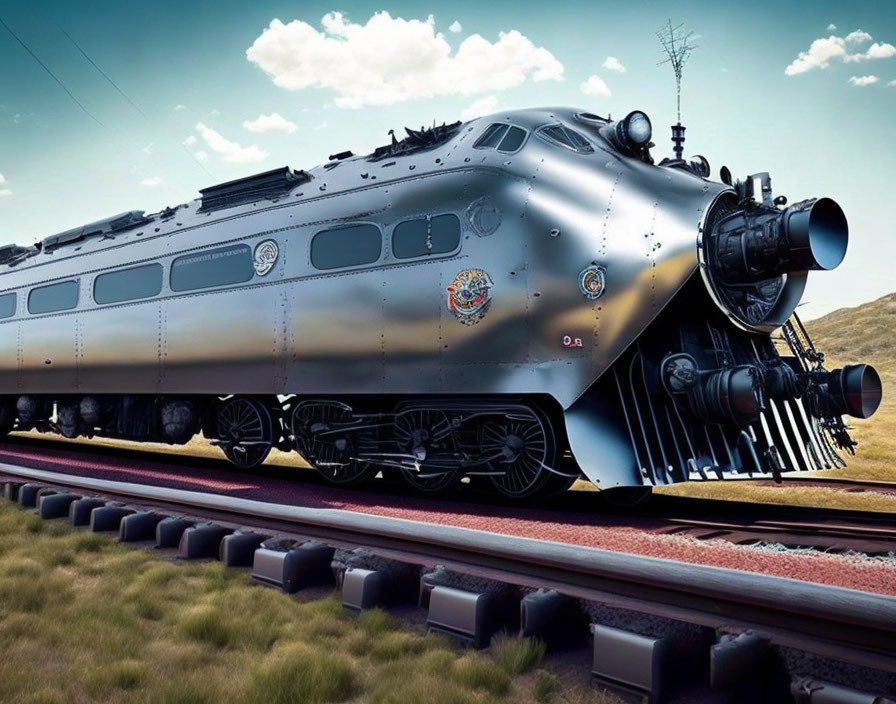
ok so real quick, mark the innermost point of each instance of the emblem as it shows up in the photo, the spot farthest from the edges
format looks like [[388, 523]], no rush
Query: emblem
[[592, 282], [265, 257], [469, 295]]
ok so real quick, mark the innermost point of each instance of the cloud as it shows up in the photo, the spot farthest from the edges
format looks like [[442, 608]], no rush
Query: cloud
[[858, 37], [148, 148], [822, 51], [230, 151], [190, 141], [455, 27], [863, 80], [201, 155], [613, 64], [392, 60], [480, 107], [180, 106], [152, 181], [594, 85], [892, 83], [274, 122], [832, 27], [5, 192], [321, 126], [2, 178]]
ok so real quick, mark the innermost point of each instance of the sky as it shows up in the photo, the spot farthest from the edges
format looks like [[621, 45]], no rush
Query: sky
[[135, 106]]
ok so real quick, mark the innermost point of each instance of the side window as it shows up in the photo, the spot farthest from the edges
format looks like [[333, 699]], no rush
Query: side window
[[212, 267], [426, 236], [7, 305], [128, 284], [55, 297], [491, 137], [513, 140], [566, 137], [346, 246]]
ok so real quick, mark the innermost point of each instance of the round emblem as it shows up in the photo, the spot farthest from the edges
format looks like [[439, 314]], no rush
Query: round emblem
[[469, 295], [265, 257], [592, 282]]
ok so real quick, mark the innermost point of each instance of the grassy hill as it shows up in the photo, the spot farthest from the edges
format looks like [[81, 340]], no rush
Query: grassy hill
[[866, 333]]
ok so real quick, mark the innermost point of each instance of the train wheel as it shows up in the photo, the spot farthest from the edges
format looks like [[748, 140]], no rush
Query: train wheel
[[428, 436], [317, 428], [521, 446], [245, 431], [7, 415]]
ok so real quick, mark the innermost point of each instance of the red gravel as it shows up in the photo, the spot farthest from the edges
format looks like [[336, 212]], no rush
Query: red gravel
[[608, 532]]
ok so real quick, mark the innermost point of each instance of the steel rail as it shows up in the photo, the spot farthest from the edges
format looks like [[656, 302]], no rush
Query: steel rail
[[843, 624]]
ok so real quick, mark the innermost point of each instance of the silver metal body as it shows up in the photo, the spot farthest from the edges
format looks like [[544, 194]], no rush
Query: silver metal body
[[387, 327]]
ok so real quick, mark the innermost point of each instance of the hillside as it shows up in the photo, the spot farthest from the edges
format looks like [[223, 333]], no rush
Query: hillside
[[866, 333]]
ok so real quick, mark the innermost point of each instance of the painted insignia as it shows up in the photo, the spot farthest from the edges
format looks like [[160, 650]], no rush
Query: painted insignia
[[265, 257], [469, 295], [592, 282]]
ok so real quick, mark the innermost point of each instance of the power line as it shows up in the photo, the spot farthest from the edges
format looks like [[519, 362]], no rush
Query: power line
[[103, 73], [52, 75]]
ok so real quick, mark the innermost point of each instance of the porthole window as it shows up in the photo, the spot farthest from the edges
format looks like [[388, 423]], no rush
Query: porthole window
[[223, 266], [426, 236], [346, 246], [128, 284], [53, 298], [7, 305], [565, 137]]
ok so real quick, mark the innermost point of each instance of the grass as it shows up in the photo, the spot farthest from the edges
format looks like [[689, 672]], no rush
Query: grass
[[86, 619]]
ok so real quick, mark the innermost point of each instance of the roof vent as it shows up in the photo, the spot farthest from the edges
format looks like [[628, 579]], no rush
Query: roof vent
[[117, 223], [267, 185]]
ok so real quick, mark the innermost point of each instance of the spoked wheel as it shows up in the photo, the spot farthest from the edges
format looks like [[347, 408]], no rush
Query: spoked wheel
[[520, 448], [245, 431], [428, 436], [324, 437]]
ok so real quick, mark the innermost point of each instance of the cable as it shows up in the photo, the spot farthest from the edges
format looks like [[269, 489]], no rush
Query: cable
[[53, 75], [103, 73]]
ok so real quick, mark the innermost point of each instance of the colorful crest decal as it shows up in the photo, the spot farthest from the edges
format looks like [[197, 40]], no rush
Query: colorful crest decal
[[469, 295], [592, 282], [265, 257]]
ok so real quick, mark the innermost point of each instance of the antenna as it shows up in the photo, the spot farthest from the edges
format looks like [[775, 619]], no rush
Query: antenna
[[678, 47]]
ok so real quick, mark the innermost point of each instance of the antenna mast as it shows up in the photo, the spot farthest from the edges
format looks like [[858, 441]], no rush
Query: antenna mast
[[677, 45]]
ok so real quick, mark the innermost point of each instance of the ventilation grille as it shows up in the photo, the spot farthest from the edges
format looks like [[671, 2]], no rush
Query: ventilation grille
[[267, 185]]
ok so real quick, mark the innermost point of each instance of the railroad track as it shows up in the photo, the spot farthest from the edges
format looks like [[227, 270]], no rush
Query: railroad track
[[830, 530]]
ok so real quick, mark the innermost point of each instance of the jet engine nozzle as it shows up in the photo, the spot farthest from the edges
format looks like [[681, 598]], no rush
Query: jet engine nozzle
[[760, 242], [855, 390]]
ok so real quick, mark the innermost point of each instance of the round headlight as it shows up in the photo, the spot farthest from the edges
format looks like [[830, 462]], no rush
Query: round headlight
[[636, 129]]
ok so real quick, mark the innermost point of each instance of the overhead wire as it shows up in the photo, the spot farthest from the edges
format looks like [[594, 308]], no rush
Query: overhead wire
[[52, 75]]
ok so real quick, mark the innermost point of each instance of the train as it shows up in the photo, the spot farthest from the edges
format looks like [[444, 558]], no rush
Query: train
[[521, 300]]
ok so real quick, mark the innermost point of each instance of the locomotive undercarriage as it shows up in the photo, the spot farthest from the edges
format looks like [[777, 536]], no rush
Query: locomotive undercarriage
[[431, 443]]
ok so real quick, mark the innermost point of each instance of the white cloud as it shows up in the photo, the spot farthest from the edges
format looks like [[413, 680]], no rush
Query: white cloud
[[147, 149], [892, 83], [2, 178], [594, 85], [201, 155], [5, 192], [858, 37], [832, 27], [190, 141], [152, 181], [863, 80], [391, 60], [480, 107], [321, 126], [822, 51], [180, 106], [275, 122], [214, 112], [230, 151], [455, 27], [613, 64]]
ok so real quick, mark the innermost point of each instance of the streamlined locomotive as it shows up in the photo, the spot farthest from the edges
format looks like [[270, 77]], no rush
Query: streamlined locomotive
[[526, 297]]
